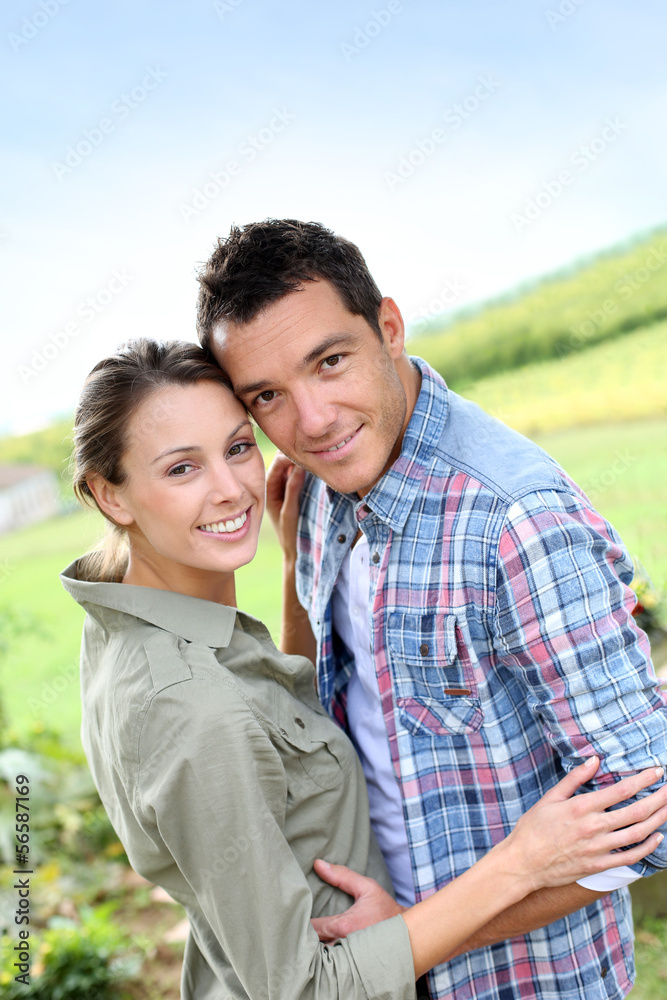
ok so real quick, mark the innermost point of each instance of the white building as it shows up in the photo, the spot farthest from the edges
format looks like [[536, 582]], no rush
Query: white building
[[27, 493]]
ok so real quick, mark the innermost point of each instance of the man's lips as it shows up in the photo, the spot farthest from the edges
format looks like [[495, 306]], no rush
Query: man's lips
[[338, 449]]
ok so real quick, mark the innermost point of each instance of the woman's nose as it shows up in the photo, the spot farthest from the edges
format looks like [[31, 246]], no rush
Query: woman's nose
[[225, 485]]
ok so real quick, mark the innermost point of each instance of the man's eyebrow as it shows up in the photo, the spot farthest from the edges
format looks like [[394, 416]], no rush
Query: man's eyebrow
[[334, 340]]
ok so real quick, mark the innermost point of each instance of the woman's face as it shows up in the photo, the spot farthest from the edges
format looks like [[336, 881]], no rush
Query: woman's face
[[194, 496]]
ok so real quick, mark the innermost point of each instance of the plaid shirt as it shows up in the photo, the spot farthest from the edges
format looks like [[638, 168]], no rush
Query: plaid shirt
[[506, 653]]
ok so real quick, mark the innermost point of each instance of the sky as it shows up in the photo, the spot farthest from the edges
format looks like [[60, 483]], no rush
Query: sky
[[466, 147]]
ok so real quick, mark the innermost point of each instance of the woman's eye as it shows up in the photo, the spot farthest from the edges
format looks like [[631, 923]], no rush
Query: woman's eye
[[180, 470], [240, 448], [332, 361]]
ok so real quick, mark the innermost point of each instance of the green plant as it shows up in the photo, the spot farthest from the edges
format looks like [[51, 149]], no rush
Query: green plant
[[86, 961]]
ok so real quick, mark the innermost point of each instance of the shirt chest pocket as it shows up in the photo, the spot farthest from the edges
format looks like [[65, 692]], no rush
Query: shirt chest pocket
[[310, 752], [434, 676]]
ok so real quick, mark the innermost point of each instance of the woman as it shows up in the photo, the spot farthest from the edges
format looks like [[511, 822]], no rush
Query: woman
[[221, 773]]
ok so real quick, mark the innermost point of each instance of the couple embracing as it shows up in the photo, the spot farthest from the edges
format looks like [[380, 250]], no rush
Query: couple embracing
[[470, 617]]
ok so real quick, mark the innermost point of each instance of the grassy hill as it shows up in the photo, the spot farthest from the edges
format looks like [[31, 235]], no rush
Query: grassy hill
[[612, 295]]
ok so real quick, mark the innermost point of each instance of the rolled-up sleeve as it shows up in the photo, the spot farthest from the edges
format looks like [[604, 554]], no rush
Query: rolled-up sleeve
[[564, 621], [212, 793]]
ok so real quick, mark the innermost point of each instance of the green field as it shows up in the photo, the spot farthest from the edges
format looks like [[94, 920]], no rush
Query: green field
[[576, 362], [38, 672], [617, 292]]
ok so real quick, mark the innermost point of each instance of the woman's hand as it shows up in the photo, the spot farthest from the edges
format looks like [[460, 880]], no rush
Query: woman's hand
[[283, 487], [564, 837], [560, 839]]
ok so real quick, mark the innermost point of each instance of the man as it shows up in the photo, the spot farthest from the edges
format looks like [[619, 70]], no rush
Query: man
[[496, 647]]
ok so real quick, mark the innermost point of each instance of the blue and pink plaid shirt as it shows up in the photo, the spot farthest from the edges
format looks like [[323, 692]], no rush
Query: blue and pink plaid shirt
[[506, 653]]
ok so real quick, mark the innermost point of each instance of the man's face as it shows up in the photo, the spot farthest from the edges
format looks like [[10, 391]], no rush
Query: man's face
[[321, 385]]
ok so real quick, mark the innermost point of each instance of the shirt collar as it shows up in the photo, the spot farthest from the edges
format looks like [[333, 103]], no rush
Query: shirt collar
[[393, 495], [191, 618]]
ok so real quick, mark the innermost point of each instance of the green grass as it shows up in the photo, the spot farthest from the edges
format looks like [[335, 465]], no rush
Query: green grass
[[620, 380], [616, 293], [38, 674]]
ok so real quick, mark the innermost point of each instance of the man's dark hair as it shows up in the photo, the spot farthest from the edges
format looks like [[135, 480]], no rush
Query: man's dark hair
[[264, 261]]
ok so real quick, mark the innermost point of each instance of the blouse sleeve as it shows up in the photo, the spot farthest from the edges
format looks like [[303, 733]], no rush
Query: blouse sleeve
[[212, 790]]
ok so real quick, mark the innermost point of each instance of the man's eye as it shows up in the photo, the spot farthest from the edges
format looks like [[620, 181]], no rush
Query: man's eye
[[331, 361], [266, 396]]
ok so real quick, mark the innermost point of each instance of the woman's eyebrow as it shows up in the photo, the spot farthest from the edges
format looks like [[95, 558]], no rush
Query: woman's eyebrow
[[196, 447]]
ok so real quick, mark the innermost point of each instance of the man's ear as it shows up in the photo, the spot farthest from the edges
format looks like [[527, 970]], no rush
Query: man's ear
[[111, 500], [392, 327]]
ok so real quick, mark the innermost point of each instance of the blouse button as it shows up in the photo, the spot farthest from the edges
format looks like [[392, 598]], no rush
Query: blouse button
[[342, 538], [376, 557], [300, 723], [423, 649]]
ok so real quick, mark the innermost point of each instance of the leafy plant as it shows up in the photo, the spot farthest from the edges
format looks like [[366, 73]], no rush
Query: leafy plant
[[86, 961]]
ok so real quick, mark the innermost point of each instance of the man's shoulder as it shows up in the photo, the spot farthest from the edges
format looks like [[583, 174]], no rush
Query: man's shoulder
[[495, 456]]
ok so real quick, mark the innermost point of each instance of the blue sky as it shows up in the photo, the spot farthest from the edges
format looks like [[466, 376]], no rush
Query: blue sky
[[421, 130]]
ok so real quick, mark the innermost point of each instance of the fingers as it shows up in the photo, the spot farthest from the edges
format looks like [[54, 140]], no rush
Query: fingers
[[325, 927], [342, 877], [636, 812], [574, 779], [294, 481], [629, 857], [627, 788], [638, 832]]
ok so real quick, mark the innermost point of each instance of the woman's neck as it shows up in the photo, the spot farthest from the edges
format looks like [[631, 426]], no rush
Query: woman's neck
[[208, 586]]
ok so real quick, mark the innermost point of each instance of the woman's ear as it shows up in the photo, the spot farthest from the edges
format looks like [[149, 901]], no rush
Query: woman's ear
[[111, 500]]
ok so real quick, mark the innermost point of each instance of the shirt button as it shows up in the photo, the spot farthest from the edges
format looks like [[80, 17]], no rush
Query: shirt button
[[604, 970], [283, 732], [376, 557], [342, 538], [423, 649], [300, 723]]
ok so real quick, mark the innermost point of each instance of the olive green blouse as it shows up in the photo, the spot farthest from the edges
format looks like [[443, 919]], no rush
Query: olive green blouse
[[224, 779]]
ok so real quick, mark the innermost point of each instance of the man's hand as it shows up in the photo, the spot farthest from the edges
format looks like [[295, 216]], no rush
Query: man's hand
[[371, 903], [283, 486]]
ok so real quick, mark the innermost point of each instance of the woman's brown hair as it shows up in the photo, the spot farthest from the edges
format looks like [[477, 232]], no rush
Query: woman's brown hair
[[111, 394]]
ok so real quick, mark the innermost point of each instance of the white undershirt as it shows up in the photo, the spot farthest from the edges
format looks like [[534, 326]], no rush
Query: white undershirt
[[351, 620], [365, 720]]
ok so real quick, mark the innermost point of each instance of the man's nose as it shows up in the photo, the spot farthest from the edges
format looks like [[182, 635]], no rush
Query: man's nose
[[315, 414]]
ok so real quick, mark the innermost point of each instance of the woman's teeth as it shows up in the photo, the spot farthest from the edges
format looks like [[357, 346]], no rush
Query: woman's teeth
[[221, 527]]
